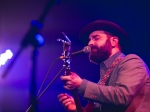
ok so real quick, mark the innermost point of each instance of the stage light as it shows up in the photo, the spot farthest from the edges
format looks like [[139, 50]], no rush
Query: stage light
[[39, 39], [5, 56]]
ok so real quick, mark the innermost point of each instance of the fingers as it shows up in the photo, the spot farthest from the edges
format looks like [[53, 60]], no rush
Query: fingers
[[69, 87], [65, 99], [62, 97], [72, 81], [67, 102], [64, 78], [73, 75], [69, 77], [68, 83]]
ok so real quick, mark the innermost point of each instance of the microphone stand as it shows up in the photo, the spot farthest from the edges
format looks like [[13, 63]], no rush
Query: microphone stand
[[29, 39], [33, 81]]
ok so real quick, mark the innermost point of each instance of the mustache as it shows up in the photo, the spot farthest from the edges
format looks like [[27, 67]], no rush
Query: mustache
[[94, 48]]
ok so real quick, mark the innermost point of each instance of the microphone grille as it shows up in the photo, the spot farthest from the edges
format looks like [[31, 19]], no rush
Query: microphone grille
[[87, 49]]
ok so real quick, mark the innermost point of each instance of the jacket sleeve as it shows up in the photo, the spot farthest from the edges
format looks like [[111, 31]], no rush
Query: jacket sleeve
[[131, 76]]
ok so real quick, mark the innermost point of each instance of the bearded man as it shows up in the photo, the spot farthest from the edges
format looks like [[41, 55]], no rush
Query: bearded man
[[124, 84]]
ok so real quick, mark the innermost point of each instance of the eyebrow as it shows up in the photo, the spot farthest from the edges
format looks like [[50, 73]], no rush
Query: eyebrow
[[94, 36]]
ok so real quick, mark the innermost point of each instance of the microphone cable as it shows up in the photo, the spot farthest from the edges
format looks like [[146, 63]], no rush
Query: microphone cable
[[50, 83], [47, 75], [38, 94]]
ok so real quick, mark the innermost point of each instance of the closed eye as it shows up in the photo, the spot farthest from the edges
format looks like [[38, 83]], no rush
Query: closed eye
[[96, 37]]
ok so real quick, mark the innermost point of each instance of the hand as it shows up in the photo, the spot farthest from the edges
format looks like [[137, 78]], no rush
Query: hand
[[73, 81], [67, 101]]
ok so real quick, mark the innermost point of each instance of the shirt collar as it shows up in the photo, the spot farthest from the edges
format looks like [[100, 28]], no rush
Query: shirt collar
[[109, 61]]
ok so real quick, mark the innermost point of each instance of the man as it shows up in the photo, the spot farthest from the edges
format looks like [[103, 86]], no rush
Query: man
[[124, 84]]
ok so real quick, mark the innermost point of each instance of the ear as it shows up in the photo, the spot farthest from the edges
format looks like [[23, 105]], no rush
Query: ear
[[114, 41]]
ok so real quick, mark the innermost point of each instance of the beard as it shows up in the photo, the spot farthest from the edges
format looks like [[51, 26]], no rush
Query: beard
[[100, 54]]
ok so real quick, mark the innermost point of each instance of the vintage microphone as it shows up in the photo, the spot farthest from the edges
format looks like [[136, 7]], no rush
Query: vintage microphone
[[86, 49], [66, 57]]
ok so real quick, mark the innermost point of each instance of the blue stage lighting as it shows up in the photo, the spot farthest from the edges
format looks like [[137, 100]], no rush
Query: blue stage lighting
[[39, 39]]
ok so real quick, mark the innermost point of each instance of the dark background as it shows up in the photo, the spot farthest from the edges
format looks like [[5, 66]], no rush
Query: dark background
[[69, 16]]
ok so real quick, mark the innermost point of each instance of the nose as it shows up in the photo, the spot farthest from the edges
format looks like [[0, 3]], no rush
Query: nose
[[90, 43]]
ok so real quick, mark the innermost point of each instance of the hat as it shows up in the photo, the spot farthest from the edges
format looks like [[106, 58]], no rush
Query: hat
[[108, 26]]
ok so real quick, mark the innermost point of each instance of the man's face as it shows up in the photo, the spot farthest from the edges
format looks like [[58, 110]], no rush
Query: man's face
[[100, 46]]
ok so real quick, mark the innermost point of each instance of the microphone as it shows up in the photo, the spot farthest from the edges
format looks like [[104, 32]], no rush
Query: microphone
[[86, 49]]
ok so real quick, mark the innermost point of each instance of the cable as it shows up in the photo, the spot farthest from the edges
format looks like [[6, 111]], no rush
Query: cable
[[38, 96], [50, 83], [46, 76]]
